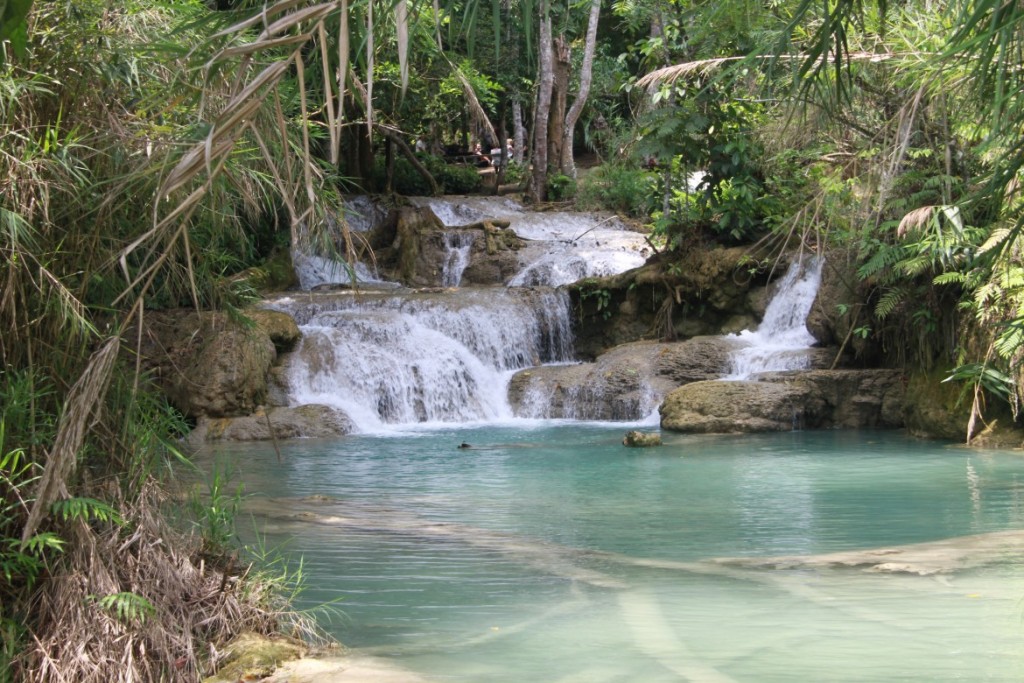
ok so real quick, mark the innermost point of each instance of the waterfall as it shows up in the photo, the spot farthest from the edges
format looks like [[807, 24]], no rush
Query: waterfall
[[313, 271], [388, 356], [390, 359], [313, 268], [457, 247], [561, 247], [782, 339]]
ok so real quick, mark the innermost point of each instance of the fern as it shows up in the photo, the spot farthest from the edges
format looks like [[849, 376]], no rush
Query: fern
[[883, 259], [889, 302], [996, 240], [1011, 339], [913, 266], [950, 278], [127, 607]]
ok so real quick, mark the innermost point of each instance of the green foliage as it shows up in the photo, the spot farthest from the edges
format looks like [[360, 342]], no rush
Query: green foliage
[[601, 296], [85, 510], [515, 173], [618, 187], [459, 179], [561, 187], [452, 178], [986, 377], [127, 607], [14, 26], [214, 512]]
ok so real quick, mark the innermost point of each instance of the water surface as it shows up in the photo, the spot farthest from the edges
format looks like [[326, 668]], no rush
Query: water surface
[[549, 552]]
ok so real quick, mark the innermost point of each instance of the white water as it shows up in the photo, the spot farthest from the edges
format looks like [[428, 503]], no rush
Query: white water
[[314, 271], [392, 359], [782, 339], [457, 245], [562, 247], [313, 268]]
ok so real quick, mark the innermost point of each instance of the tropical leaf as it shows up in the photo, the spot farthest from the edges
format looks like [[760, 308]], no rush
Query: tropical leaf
[[127, 607], [85, 510]]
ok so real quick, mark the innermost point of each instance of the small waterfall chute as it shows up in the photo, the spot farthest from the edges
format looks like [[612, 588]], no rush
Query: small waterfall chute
[[313, 267], [457, 244], [781, 340]]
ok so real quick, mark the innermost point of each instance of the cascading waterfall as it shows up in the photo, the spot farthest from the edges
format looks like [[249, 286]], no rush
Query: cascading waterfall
[[314, 269], [562, 247], [457, 247], [782, 339], [397, 357], [391, 359]]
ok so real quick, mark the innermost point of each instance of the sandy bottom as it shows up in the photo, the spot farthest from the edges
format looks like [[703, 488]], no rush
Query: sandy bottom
[[352, 668]]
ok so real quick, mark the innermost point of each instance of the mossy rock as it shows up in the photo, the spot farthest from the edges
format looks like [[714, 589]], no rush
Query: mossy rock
[[251, 656], [635, 439]]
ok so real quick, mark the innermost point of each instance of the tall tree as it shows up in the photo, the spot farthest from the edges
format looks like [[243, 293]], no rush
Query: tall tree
[[542, 112], [568, 162]]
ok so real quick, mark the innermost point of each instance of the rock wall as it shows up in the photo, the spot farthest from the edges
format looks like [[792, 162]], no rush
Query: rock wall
[[410, 248], [706, 292], [783, 401], [210, 365]]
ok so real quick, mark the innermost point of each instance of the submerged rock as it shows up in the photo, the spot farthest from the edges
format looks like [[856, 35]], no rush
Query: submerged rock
[[783, 401], [635, 439], [933, 557]]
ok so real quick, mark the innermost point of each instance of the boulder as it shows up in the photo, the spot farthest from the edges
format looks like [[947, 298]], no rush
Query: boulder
[[635, 439], [305, 421], [783, 401], [206, 363], [411, 247], [279, 326], [626, 383]]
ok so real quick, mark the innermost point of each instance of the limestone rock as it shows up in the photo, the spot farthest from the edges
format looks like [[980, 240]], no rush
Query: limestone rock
[[305, 421], [207, 364], [635, 439], [935, 410], [782, 401], [279, 326], [726, 407], [410, 247], [626, 383]]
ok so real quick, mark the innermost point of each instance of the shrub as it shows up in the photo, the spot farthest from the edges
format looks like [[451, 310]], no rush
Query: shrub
[[561, 187], [456, 179], [619, 188]]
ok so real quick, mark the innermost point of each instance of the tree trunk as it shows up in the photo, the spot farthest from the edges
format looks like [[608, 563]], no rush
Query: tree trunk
[[559, 95], [568, 164], [394, 138], [545, 82], [389, 165], [519, 132]]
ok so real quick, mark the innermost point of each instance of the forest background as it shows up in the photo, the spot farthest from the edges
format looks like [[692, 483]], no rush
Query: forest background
[[164, 154]]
